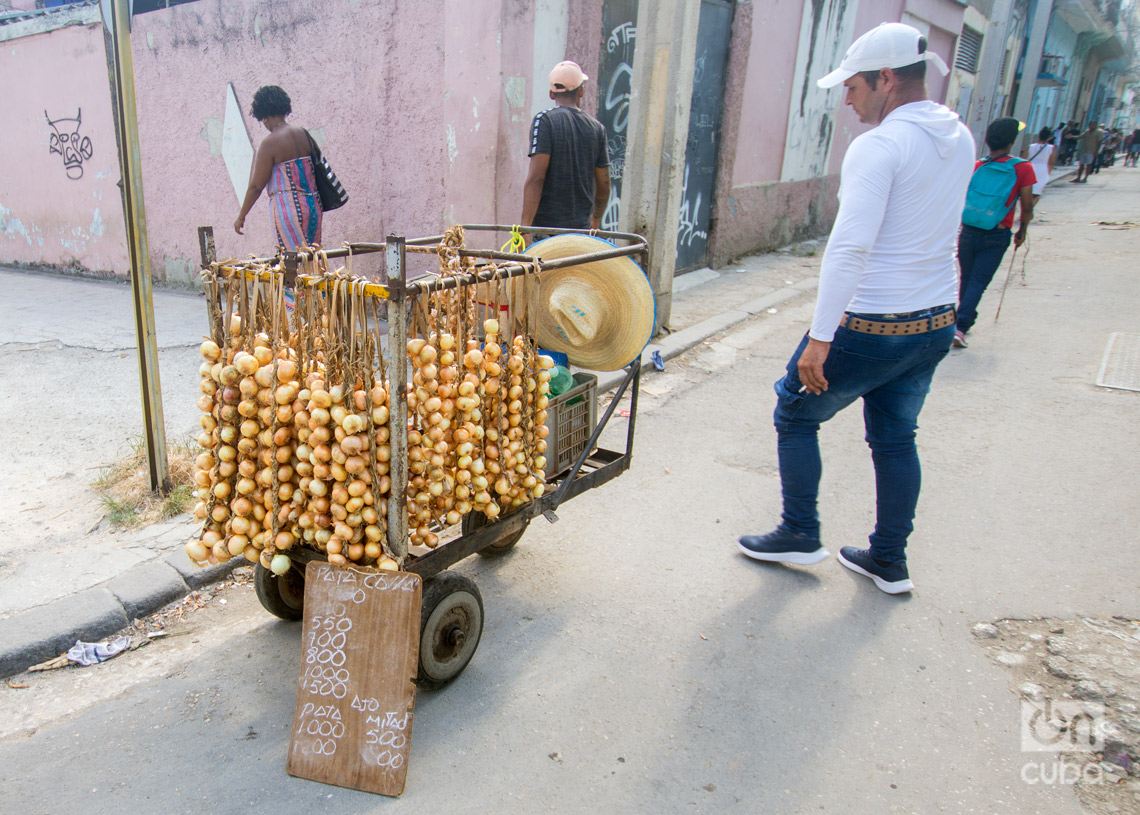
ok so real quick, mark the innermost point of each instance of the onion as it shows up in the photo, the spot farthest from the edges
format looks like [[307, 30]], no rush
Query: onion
[[196, 550], [280, 564], [285, 394], [286, 370]]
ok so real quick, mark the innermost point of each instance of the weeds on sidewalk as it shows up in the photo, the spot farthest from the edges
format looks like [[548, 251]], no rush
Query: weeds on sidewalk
[[124, 485]]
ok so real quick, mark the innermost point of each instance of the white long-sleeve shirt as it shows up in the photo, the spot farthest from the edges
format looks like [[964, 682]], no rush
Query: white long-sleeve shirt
[[902, 189]]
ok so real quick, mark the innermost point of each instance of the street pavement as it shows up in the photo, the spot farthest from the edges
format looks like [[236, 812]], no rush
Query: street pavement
[[635, 661], [81, 579]]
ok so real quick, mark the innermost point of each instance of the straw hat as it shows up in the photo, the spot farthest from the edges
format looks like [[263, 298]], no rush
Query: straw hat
[[599, 314]]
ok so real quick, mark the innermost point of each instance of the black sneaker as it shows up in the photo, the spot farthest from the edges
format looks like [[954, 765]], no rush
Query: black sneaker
[[893, 578], [783, 547]]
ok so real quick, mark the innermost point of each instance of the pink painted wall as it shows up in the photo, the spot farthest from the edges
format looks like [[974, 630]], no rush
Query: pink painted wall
[[513, 109], [945, 13], [47, 217], [424, 115], [754, 210], [767, 91], [379, 106]]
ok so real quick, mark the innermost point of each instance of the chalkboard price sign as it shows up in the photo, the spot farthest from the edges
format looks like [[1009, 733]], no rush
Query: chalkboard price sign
[[352, 726]]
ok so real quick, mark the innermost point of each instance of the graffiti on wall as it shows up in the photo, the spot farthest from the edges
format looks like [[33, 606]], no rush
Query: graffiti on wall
[[65, 140], [825, 32], [619, 32], [689, 227]]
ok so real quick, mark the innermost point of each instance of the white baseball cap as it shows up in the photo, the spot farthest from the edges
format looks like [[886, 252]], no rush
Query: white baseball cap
[[891, 45]]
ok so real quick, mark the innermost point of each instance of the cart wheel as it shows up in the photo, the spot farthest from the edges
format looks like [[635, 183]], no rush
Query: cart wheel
[[281, 595], [451, 622], [477, 520]]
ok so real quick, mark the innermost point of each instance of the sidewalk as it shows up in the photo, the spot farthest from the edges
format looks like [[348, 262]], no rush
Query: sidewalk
[[70, 577]]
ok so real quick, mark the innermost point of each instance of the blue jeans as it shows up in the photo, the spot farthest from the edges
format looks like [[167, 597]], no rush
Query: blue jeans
[[892, 374], [979, 254]]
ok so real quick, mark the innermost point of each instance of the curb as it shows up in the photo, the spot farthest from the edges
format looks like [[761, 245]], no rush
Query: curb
[[675, 344], [47, 631]]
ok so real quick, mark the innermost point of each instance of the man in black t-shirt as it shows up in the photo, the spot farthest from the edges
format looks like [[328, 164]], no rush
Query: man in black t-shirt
[[568, 180]]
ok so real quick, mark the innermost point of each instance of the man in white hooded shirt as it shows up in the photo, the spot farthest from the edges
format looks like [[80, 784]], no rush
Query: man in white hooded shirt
[[885, 312]]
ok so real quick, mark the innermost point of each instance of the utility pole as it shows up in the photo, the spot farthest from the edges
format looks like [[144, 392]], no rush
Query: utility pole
[[660, 95], [116, 17]]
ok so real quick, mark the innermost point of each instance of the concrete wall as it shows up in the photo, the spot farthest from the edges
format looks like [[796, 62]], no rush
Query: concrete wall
[[784, 139], [59, 203], [1052, 105], [424, 116], [424, 112], [379, 105]]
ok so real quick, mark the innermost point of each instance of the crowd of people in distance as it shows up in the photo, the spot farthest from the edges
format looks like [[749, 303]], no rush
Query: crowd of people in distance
[[1071, 142]]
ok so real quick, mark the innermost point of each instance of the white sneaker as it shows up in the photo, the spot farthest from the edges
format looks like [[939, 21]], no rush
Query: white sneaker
[[959, 340]]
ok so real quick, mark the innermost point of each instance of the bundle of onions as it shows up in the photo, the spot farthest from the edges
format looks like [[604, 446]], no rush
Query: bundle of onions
[[245, 476], [468, 434], [431, 421], [289, 459]]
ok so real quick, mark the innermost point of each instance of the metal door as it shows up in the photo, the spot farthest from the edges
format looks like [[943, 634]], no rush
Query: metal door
[[703, 147], [619, 32]]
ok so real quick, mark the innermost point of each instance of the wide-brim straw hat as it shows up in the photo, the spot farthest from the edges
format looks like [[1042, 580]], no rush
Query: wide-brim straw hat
[[600, 314]]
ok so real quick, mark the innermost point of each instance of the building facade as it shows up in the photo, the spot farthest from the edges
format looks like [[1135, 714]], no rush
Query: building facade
[[721, 144]]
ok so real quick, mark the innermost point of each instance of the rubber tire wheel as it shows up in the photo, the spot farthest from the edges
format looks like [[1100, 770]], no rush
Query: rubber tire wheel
[[281, 595], [451, 605], [477, 520]]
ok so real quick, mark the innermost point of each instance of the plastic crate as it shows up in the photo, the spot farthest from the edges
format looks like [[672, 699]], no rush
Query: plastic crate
[[571, 417]]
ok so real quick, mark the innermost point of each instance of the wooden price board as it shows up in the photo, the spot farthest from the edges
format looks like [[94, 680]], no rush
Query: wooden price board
[[352, 726]]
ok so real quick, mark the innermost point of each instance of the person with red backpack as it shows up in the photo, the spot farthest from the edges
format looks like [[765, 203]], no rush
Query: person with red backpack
[[998, 183]]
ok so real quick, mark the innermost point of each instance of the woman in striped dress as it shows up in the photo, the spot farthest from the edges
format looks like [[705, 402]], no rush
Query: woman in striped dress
[[284, 166]]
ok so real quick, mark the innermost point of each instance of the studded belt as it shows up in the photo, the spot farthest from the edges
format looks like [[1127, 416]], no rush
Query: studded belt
[[895, 327]]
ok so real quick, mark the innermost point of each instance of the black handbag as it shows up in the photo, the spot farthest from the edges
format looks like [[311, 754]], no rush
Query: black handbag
[[329, 187]]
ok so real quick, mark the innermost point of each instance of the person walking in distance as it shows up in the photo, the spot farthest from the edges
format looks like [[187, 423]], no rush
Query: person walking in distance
[[568, 180], [1133, 150], [1088, 148], [999, 182], [884, 314], [1042, 154], [1069, 148]]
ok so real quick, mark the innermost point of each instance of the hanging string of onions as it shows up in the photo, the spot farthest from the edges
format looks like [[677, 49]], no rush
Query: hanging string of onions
[[296, 429]]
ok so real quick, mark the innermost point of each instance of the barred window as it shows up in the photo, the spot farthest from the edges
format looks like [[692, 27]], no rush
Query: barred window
[[969, 49]]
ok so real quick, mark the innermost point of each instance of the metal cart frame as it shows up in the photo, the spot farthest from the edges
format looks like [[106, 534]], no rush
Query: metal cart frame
[[592, 468]]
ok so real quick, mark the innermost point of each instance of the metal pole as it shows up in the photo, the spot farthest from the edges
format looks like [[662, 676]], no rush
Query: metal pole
[[398, 397], [130, 163]]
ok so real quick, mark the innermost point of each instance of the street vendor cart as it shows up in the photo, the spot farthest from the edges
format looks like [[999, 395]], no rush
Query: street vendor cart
[[541, 449]]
